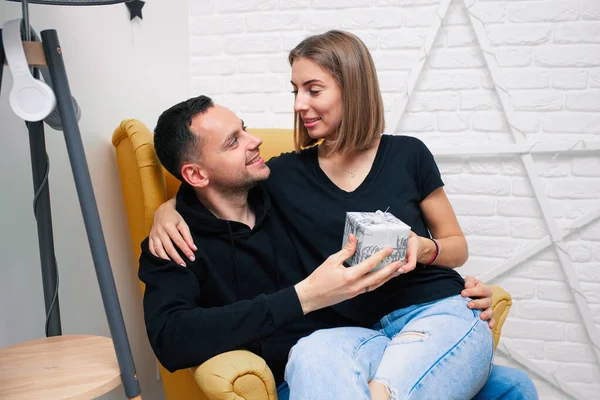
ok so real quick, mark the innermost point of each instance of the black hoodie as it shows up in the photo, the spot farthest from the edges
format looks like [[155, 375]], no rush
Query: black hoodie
[[238, 293]]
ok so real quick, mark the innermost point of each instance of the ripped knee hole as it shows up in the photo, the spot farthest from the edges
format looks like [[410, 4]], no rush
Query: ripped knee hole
[[407, 337]]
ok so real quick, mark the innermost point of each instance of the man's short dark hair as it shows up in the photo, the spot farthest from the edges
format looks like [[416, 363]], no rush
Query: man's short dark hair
[[174, 142]]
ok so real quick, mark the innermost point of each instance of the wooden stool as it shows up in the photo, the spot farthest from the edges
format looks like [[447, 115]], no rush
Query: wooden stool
[[59, 367]]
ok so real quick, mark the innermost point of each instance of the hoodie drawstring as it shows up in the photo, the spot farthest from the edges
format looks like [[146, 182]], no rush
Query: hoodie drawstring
[[235, 265]]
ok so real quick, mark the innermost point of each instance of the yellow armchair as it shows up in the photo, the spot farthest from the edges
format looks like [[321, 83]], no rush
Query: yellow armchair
[[146, 185]]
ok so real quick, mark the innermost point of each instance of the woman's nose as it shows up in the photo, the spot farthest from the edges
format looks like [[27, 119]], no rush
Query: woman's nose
[[299, 103]]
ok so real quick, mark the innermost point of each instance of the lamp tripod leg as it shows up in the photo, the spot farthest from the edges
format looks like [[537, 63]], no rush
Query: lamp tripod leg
[[1, 60], [89, 209]]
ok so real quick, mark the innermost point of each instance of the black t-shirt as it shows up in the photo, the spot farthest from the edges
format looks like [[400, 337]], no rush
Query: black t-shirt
[[314, 210]]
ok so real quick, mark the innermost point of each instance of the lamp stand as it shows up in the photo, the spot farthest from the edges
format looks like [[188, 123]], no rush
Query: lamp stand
[[49, 54]]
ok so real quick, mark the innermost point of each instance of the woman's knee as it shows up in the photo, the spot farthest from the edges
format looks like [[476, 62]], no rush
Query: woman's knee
[[350, 348], [316, 345]]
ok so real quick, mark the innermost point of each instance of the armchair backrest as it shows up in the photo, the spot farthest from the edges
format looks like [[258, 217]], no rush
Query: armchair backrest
[[146, 185], [142, 178]]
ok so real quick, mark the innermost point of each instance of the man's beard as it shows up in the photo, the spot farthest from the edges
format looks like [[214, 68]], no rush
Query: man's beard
[[241, 189]]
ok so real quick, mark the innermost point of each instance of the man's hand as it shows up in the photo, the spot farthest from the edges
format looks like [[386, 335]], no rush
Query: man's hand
[[168, 228], [331, 283], [482, 298]]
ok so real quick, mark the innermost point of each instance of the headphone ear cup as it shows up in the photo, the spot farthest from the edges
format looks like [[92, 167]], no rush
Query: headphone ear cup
[[32, 101], [53, 119]]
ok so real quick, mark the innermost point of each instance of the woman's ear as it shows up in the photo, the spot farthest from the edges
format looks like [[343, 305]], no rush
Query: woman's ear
[[195, 175]]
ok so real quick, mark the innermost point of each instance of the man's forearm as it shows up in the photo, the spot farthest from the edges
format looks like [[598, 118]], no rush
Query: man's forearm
[[183, 334], [186, 338]]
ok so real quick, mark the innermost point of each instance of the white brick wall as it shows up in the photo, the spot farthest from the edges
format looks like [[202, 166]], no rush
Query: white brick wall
[[548, 54]]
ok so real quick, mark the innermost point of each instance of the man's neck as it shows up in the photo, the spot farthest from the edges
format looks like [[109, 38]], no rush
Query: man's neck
[[230, 207]]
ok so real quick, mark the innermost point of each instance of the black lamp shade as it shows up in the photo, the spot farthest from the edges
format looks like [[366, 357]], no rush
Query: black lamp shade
[[73, 2]]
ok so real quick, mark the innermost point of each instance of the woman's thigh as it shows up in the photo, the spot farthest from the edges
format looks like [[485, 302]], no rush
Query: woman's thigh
[[335, 363], [439, 350]]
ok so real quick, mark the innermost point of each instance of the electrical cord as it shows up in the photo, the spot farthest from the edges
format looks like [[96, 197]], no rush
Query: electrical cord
[[36, 197]]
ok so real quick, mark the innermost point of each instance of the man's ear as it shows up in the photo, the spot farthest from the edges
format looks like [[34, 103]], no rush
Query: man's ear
[[195, 175]]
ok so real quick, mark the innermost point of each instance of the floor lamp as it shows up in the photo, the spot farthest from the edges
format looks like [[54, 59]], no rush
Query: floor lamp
[[48, 54]]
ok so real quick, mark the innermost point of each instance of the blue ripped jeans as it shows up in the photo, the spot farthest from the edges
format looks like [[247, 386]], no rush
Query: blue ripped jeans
[[437, 350], [504, 383]]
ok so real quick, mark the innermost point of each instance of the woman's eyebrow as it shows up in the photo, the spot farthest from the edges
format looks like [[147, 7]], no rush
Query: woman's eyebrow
[[308, 82]]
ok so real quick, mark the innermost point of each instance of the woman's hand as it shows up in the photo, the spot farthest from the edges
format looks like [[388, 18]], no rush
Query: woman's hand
[[169, 228], [412, 253]]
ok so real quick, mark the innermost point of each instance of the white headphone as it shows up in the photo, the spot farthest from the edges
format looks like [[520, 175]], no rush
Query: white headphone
[[31, 99]]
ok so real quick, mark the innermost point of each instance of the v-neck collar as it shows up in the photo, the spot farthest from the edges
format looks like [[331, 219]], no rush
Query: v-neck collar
[[375, 168]]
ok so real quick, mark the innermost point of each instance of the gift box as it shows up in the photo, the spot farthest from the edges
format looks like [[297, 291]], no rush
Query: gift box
[[374, 231]]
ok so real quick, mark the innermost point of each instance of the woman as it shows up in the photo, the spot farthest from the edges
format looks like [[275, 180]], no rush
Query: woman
[[431, 344]]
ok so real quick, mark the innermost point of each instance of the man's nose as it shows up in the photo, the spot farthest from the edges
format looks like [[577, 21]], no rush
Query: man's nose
[[255, 142]]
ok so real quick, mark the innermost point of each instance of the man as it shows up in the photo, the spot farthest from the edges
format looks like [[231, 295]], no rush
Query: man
[[246, 286]]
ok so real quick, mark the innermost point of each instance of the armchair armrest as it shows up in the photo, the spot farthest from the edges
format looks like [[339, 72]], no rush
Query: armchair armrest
[[501, 303], [236, 374]]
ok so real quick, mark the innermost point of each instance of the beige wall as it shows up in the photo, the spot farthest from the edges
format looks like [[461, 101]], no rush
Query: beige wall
[[117, 69]]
